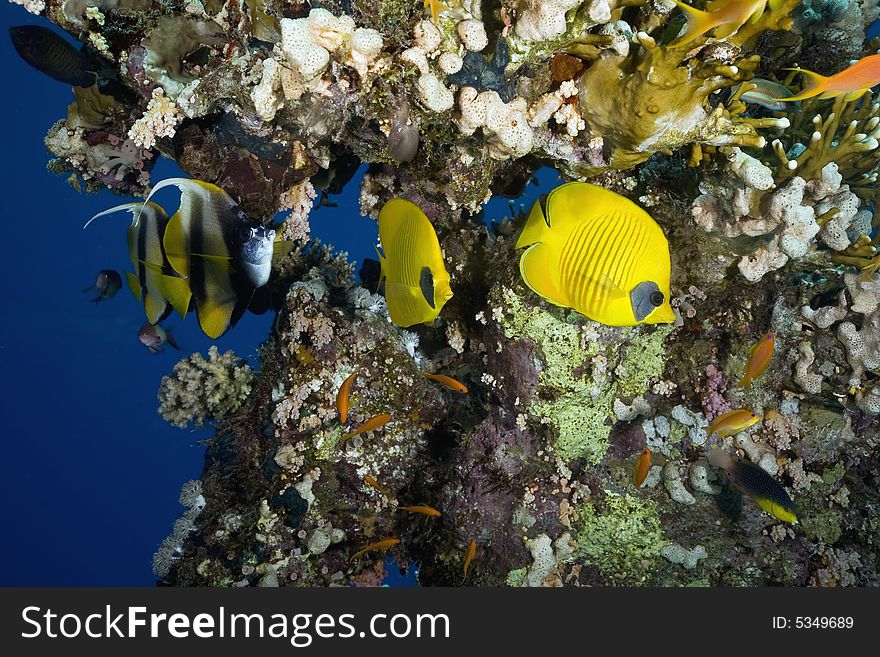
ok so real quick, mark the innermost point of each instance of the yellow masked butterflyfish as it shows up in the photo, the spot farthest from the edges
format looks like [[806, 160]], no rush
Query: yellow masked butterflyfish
[[416, 280], [599, 253]]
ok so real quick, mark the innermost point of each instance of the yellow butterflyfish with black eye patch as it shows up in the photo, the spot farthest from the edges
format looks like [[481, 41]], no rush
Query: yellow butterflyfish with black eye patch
[[416, 280], [725, 16], [599, 253], [154, 282]]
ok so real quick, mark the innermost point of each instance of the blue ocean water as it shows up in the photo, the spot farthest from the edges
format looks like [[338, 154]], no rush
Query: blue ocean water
[[90, 474]]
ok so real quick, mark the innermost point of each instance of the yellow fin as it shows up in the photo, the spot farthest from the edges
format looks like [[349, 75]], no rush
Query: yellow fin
[[176, 291], [776, 510], [133, 284], [174, 243], [280, 250], [223, 263], [214, 318], [536, 272], [698, 23], [535, 229], [815, 85], [154, 307]]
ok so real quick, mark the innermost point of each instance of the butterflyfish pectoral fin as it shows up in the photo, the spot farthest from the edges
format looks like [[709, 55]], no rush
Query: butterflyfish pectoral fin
[[177, 292], [133, 284], [537, 274], [281, 248], [426, 284], [223, 263], [174, 243]]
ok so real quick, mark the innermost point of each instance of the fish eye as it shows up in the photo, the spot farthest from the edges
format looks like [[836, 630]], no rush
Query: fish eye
[[657, 298], [245, 232]]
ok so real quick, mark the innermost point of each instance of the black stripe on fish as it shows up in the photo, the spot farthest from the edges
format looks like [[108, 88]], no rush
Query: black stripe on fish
[[51, 54], [426, 283]]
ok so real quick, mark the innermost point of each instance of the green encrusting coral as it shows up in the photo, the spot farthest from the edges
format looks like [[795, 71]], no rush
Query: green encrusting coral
[[584, 368], [622, 538]]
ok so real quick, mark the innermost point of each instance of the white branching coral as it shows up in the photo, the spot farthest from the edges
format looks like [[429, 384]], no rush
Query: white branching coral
[[160, 120], [33, 6], [200, 390]]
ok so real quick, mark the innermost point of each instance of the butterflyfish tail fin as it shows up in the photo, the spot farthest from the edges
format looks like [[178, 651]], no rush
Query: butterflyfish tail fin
[[815, 85], [177, 292], [698, 23], [134, 285]]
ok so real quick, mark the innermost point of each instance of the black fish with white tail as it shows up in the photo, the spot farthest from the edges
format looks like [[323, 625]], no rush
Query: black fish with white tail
[[51, 54], [107, 284]]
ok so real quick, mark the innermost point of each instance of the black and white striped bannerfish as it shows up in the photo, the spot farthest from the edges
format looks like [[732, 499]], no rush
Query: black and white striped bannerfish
[[223, 255], [153, 282]]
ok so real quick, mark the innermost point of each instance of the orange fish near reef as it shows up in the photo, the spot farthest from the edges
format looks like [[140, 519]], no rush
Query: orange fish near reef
[[469, 556], [448, 381], [733, 422], [372, 424], [643, 467], [342, 396], [375, 485], [384, 544], [759, 359], [851, 83], [421, 508], [727, 16]]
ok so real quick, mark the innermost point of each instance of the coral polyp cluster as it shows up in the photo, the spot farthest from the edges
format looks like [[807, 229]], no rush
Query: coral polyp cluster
[[768, 206]]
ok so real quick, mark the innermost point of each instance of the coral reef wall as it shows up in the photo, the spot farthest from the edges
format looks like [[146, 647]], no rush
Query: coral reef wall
[[770, 219]]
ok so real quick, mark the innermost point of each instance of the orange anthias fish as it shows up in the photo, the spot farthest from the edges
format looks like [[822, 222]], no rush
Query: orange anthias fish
[[375, 485], [760, 357], [725, 15], [469, 556], [643, 467], [448, 381], [372, 424], [851, 83], [733, 422], [384, 544], [421, 508], [342, 396]]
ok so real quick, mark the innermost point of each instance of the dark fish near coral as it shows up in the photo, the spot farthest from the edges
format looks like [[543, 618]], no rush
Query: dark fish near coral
[[223, 255], [50, 53], [107, 284], [753, 481], [154, 283], [153, 337], [403, 138]]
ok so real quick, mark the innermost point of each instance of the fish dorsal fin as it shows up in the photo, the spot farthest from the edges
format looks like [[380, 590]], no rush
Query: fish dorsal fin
[[177, 292], [570, 204], [134, 285], [174, 243], [426, 284], [536, 228], [135, 208]]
